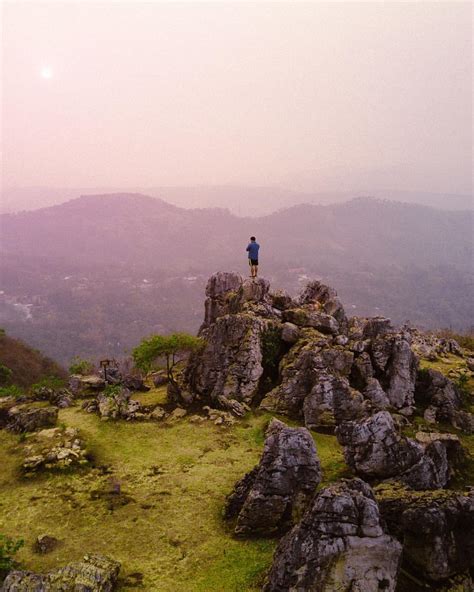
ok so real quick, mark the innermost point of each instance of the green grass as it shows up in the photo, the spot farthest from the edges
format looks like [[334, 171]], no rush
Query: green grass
[[166, 523]]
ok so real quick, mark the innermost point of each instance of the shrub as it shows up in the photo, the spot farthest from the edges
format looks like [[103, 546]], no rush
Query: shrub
[[81, 366], [5, 374], [111, 390], [11, 391], [8, 548], [50, 382]]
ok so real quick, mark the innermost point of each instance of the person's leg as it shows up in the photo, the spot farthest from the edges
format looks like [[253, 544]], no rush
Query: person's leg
[[256, 270], [251, 268]]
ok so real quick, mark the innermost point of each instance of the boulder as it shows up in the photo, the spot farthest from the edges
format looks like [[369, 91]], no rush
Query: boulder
[[159, 379], [307, 317], [442, 452], [95, 573], [281, 300], [133, 382], [26, 418], [267, 499], [401, 373], [326, 298], [374, 449], [113, 405], [221, 288], [45, 544], [290, 333], [437, 531], [54, 448], [338, 545], [58, 397], [442, 400]]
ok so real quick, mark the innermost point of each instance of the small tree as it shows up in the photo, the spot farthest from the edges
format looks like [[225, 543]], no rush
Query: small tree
[[172, 348], [80, 366]]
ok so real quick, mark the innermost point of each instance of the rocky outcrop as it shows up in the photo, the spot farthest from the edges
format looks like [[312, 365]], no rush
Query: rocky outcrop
[[374, 449], [230, 365], [54, 448], [437, 531], [327, 379], [28, 418], [117, 404], [431, 347], [58, 397], [266, 500], [316, 293], [95, 573], [83, 385], [338, 545], [442, 400]]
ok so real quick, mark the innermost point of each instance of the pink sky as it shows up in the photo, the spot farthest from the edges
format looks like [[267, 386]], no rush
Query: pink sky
[[254, 93]]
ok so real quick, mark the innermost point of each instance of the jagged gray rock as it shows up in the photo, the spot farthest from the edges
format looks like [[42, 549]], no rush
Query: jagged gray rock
[[373, 448], [266, 499], [442, 400], [401, 371], [58, 397], [437, 531], [27, 418], [95, 573], [117, 404], [306, 317], [310, 374], [326, 297], [338, 545], [230, 365]]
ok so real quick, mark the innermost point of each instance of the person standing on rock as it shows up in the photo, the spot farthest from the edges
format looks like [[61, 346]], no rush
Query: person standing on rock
[[252, 249]]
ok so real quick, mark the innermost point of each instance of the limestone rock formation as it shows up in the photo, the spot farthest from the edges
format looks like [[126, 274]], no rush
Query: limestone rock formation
[[54, 448], [117, 404], [58, 397], [266, 500], [373, 448], [95, 573], [83, 385], [338, 545], [28, 418], [437, 531], [442, 400], [230, 365]]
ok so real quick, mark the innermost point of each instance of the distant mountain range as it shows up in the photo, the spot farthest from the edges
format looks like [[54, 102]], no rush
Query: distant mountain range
[[238, 199], [412, 262]]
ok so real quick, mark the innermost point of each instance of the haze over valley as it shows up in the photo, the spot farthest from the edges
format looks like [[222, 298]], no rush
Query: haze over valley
[[92, 276]]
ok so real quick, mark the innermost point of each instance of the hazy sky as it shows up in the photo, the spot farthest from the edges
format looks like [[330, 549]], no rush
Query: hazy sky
[[336, 95]]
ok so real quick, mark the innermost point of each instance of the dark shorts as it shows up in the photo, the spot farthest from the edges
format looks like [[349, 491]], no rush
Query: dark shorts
[[253, 261]]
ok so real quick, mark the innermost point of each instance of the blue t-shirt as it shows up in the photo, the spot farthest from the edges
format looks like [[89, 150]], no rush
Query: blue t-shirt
[[253, 248]]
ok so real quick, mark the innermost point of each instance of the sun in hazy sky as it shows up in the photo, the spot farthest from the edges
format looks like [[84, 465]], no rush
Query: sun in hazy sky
[[46, 72]]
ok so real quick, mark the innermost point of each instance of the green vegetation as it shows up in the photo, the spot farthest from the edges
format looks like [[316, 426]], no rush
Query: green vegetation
[[80, 366], [111, 390], [166, 522], [27, 365], [5, 374], [172, 348], [11, 391], [49, 382], [8, 548], [272, 353]]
